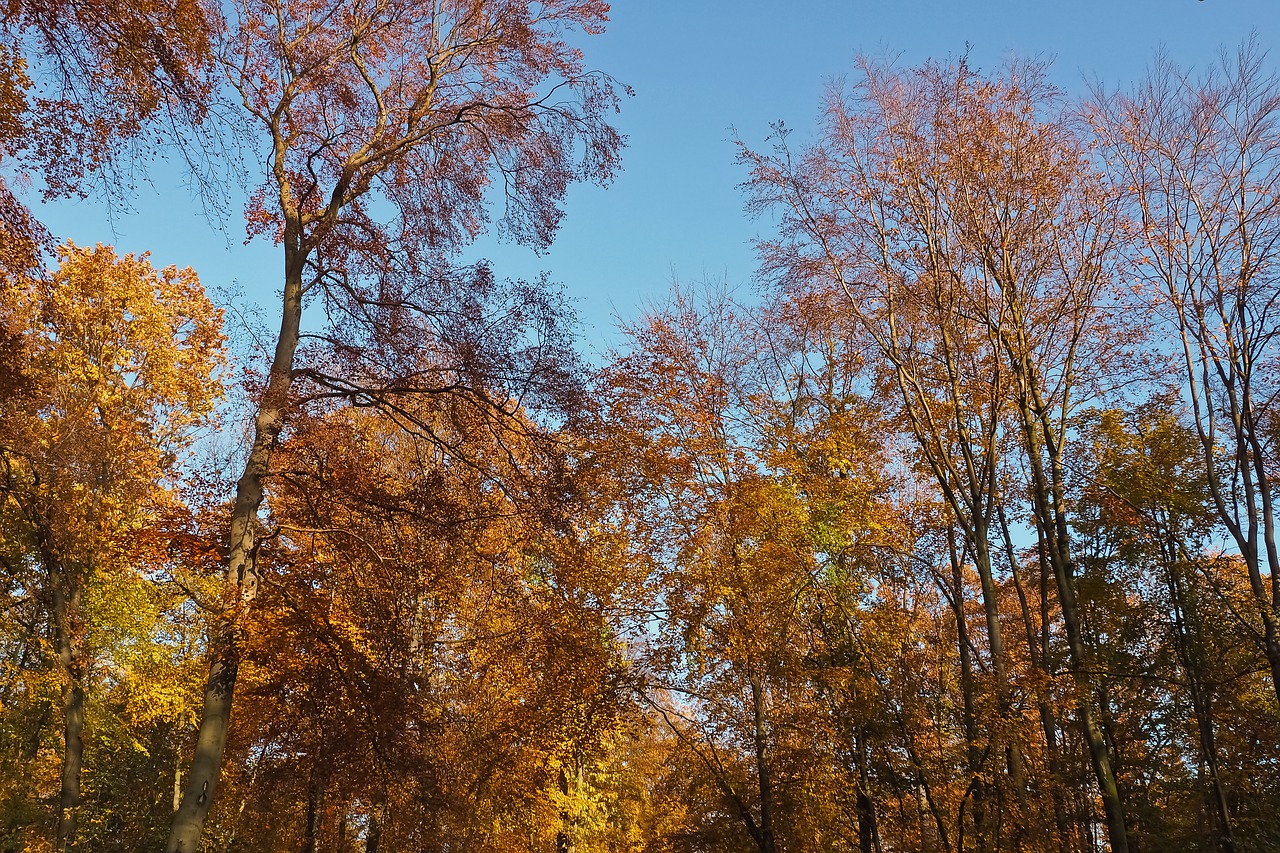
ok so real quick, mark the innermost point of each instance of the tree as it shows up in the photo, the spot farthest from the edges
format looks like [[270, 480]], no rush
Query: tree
[[954, 390], [1144, 522], [971, 236], [118, 364], [1199, 169], [386, 123], [752, 496], [425, 657], [80, 83]]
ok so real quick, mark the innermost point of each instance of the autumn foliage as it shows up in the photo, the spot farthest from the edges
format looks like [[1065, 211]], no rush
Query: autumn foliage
[[957, 534]]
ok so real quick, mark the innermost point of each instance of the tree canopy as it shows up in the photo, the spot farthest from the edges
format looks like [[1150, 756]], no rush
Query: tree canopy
[[957, 534]]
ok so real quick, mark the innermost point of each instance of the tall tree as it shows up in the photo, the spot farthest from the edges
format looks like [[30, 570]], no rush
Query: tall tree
[[118, 363], [1147, 507], [1198, 163], [954, 389], [423, 656], [962, 220], [385, 124], [753, 488]]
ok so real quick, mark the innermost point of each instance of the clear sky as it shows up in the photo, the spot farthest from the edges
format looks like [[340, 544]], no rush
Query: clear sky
[[700, 69]]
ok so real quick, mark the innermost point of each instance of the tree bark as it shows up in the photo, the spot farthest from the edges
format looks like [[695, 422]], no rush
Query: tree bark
[[868, 831], [315, 804], [242, 574], [1014, 764], [1048, 719], [66, 608], [763, 776], [1051, 527], [973, 751]]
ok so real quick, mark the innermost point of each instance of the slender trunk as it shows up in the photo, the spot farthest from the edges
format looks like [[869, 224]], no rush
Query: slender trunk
[[1099, 756], [867, 842], [1271, 640], [72, 763], [1014, 764], [373, 835], [565, 835], [65, 593], [1193, 664], [763, 776], [1042, 435], [1252, 482], [1198, 361], [242, 576], [868, 831], [1048, 719], [73, 718], [1217, 795], [923, 787], [1051, 526], [1271, 622], [973, 750], [315, 806]]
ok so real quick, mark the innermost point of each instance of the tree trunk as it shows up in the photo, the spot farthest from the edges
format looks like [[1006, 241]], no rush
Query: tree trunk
[[973, 750], [177, 779], [65, 593], [373, 835], [1271, 621], [923, 789], [1191, 654], [72, 763], [564, 836], [1217, 795], [763, 776], [1051, 527], [1048, 719], [868, 831], [1250, 483], [315, 806], [65, 609], [1014, 764], [242, 575]]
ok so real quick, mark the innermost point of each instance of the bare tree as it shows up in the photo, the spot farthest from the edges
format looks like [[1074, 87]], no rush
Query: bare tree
[[1198, 160]]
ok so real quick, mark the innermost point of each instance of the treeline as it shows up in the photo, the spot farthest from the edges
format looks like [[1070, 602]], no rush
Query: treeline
[[959, 534]]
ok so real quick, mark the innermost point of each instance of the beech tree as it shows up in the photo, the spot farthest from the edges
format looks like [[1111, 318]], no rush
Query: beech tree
[[1144, 522], [938, 545], [80, 82], [1199, 167], [423, 668], [753, 492], [954, 393], [971, 237], [117, 363], [386, 124]]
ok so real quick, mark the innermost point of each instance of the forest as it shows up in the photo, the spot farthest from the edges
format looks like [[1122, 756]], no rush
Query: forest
[[955, 532]]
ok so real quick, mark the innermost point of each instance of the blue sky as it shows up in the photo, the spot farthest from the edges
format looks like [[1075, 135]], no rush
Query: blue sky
[[700, 69]]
